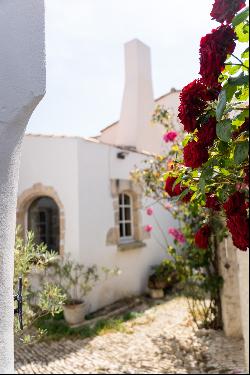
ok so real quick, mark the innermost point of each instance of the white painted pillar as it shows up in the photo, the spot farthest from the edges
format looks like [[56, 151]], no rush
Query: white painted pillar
[[22, 86]]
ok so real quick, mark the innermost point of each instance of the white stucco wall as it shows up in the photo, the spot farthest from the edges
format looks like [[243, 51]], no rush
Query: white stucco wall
[[109, 135], [22, 86], [80, 173], [98, 164], [52, 161]]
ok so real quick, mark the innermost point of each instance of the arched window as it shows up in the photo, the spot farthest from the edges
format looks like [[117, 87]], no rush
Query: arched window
[[43, 220], [125, 217]]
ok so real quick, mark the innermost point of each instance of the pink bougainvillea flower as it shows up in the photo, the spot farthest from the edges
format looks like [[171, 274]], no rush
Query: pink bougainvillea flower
[[177, 234], [150, 211], [148, 228], [170, 136]]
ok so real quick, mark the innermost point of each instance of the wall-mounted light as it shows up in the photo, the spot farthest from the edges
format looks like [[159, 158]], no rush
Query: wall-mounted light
[[121, 154]]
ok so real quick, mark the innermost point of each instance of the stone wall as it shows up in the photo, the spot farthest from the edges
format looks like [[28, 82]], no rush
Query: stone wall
[[234, 268]]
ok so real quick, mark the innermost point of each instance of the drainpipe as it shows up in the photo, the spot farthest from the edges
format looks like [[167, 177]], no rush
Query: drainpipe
[[22, 86]]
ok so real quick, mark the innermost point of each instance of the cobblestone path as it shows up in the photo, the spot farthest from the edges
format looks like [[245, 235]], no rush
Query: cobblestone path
[[161, 341]]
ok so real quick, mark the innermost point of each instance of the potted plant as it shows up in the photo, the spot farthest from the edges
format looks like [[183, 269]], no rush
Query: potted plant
[[76, 281], [163, 277]]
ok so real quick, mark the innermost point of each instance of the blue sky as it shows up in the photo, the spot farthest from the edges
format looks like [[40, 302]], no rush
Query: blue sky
[[85, 61]]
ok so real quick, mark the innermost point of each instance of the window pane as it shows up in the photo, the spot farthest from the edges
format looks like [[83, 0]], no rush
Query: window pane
[[121, 230], [42, 216], [128, 229], [127, 213], [120, 199], [121, 218], [126, 199]]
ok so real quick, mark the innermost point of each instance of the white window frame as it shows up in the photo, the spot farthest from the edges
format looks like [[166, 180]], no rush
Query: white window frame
[[122, 220]]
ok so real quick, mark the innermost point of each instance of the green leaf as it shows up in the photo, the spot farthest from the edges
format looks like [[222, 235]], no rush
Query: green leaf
[[231, 68], [239, 80], [243, 94], [177, 181], [202, 185], [183, 194], [224, 130], [207, 173], [240, 17], [230, 91], [186, 140], [241, 152], [195, 173], [242, 32], [245, 54], [221, 105], [223, 147], [224, 171]]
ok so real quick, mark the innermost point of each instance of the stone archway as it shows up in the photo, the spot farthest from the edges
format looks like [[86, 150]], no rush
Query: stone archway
[[28, 196]]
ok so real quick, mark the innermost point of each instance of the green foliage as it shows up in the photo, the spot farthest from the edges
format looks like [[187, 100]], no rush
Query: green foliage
[[221, 105], [76, 280], [241, 17], [228, 156], [241, 152], [224, 130], [30, 260]]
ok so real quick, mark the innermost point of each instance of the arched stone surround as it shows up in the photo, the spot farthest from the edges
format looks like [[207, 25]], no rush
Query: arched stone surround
[[28, 196]]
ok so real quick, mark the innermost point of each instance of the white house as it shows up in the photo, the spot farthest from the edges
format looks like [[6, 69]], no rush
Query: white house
[[77, 196]]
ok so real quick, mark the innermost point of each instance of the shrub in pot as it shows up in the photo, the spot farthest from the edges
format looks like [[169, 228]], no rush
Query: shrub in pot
[[77, 280], [163, 277]]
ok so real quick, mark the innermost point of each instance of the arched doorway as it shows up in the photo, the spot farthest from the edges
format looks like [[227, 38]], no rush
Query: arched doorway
[[43, 221]]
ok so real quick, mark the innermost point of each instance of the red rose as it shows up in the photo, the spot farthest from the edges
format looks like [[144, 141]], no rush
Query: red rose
[[214, 48], [193, 101], [202, 237], [225, 10], [207, 133], [235, 205], [195, 154], [169, 187], [187, 197], [212, 202], [238, 226]]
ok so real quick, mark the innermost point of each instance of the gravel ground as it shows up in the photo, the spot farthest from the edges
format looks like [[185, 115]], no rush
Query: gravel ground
[[161, 341]]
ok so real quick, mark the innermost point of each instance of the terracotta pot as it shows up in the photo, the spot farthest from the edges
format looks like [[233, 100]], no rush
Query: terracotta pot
[[156, 293], [74, 314]]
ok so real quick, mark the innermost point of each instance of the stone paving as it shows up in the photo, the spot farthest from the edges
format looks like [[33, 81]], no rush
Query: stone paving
[[161, 341]]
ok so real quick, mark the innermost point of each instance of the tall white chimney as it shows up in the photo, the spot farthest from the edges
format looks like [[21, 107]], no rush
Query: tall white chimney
[[135, 129]]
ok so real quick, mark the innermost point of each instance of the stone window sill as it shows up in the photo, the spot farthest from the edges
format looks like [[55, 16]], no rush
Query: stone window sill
[[130, 245]]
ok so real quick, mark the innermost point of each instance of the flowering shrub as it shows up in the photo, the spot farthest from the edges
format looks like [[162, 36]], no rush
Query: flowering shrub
[[170, 136], [177, 234], [212, 168], [207, 176], [224, 10], [194, 268]]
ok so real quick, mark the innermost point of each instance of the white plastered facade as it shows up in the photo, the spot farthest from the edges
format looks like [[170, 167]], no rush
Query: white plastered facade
[[83, 174]]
